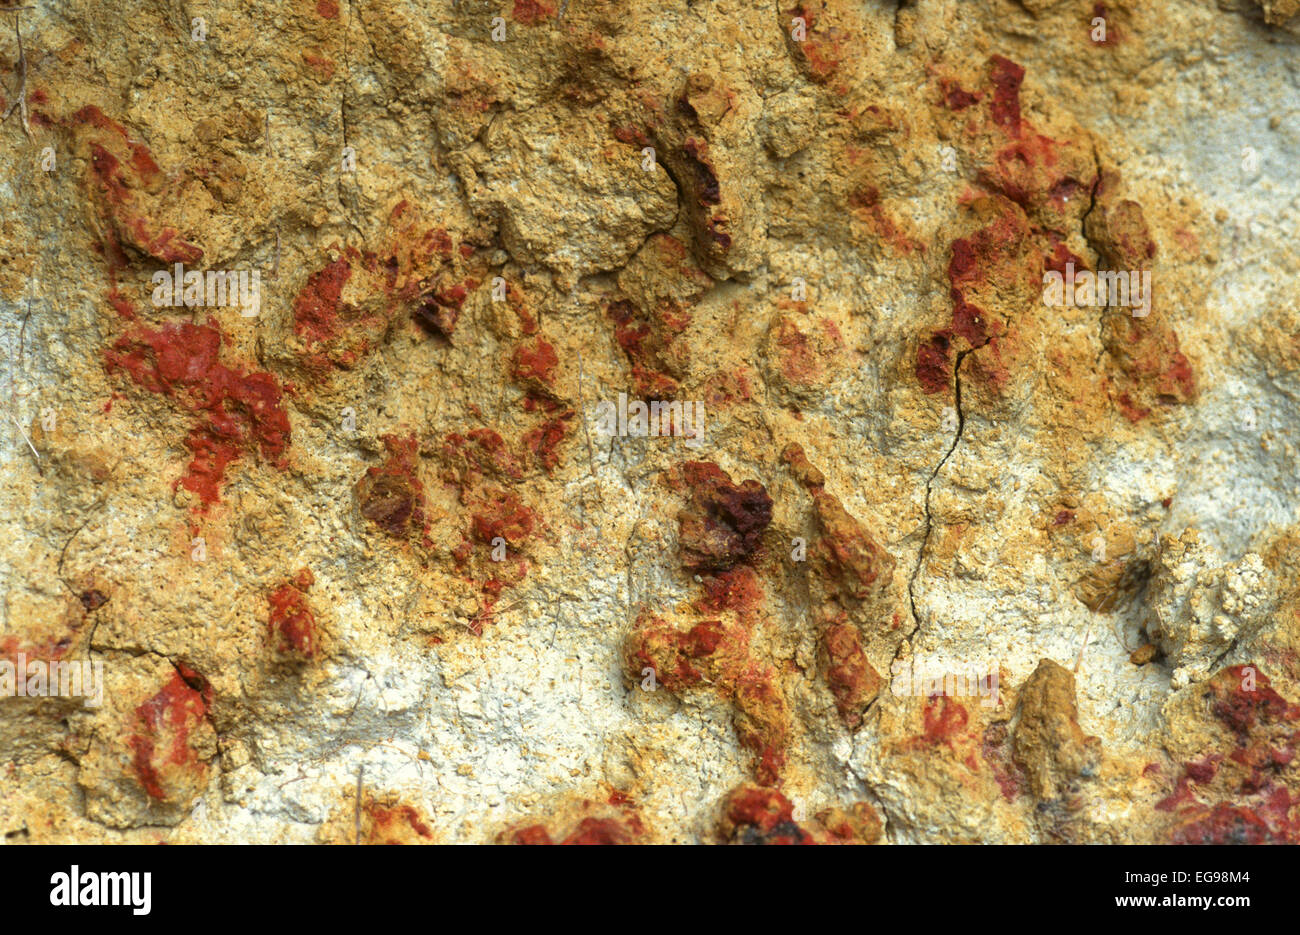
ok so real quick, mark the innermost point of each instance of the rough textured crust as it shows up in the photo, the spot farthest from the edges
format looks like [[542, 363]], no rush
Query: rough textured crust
[[651, 425]]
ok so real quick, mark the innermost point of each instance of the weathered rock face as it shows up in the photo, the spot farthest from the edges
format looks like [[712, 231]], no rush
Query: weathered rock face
[[615, 422]]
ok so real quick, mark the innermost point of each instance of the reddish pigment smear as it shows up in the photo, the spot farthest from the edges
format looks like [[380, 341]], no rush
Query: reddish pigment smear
[[175, 709], [236, 411], [292, 625]]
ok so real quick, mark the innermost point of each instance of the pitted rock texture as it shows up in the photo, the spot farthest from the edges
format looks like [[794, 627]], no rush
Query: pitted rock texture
[[578, 421]]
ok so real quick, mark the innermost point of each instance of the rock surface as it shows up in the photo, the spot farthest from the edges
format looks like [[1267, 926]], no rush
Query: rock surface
[[651, 422]]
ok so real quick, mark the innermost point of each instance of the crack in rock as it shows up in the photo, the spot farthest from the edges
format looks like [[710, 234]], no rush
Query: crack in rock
[[929, 519]]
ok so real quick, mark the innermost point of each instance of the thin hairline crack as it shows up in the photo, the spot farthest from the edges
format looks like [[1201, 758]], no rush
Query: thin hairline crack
[[929, 519]]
